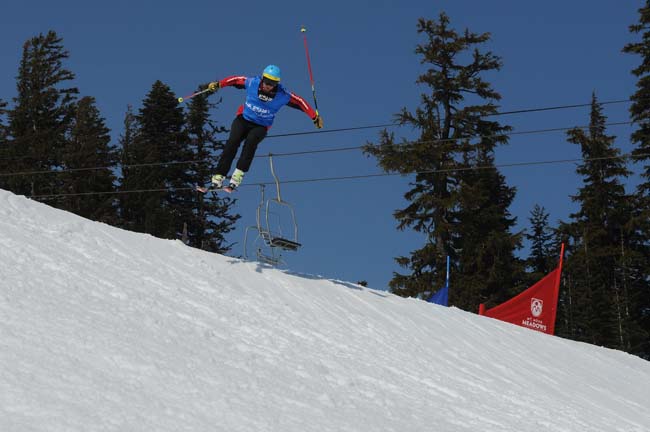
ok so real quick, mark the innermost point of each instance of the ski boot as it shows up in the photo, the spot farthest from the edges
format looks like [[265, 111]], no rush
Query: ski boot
[[236, 179], [217, 181]]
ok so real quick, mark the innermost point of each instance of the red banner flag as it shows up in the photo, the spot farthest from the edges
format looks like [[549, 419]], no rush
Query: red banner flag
[[534, 308]]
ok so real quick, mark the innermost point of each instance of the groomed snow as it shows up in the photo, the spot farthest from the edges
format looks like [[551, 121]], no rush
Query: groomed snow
[[107, 330]]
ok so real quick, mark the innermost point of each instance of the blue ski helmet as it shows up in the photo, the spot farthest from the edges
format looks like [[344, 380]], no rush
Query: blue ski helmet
[[272, 72]]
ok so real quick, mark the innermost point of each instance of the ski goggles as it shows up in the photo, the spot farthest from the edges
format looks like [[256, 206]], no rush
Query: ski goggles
[[269, 82]]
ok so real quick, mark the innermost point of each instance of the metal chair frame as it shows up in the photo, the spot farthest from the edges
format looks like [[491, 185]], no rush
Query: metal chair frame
[[273, 240], [279, 240]]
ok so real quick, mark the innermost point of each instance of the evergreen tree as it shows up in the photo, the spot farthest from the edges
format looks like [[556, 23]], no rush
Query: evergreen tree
[[488, 271], [89, 162], [211, 219], [545, 246], [598, 238], [129, 207], [4, 146], [542, 259], [448, 187], [639, 256], [42, 115], [165, 185], [640, 107]]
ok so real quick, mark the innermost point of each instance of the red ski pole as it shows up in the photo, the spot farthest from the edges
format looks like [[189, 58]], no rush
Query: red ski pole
[[303, 30]]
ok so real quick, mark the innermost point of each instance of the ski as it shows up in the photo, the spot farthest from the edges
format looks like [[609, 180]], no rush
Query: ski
[[214, 189]]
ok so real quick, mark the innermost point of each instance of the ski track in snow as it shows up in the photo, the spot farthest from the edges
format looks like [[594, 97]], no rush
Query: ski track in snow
[[108, 330]]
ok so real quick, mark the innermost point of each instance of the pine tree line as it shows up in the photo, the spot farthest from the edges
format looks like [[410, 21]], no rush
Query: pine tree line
[[54, 134], [464, 211]]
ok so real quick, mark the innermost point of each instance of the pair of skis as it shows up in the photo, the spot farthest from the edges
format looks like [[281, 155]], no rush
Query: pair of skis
[[205, 190]]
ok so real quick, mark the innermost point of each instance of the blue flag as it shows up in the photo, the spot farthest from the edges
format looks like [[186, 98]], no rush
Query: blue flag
[[441, 296]]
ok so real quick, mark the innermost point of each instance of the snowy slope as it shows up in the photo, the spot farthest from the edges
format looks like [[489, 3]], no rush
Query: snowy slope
[[104, 329]]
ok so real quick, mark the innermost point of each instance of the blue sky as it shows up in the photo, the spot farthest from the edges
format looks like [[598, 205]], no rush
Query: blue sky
[[554, 53]]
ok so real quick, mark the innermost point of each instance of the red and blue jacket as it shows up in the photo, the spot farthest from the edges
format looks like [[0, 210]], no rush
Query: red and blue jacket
[[261, 107]]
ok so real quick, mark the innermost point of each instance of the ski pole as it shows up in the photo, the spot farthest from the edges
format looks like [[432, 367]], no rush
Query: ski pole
[[303, 30], [190, 96]]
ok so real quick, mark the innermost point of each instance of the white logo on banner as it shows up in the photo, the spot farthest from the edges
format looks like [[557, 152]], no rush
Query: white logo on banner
[[536, 306]]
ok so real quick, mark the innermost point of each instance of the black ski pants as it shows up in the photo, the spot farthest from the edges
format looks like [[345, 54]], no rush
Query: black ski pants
[[241, 130]]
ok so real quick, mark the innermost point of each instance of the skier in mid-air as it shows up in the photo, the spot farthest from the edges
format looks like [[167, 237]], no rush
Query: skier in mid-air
[[264, 98]]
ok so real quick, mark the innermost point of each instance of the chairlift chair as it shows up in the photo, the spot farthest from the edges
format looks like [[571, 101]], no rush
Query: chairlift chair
[[270, 242], [276, 237], [264, 252]]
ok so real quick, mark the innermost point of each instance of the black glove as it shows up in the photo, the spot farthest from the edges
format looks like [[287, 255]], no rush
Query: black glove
[[318, 121]]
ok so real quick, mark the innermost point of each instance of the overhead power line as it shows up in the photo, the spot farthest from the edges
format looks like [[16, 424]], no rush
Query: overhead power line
[[305, 152], [393, 124], [559, 107], [626, 156], [397, 124], [444, 140]]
